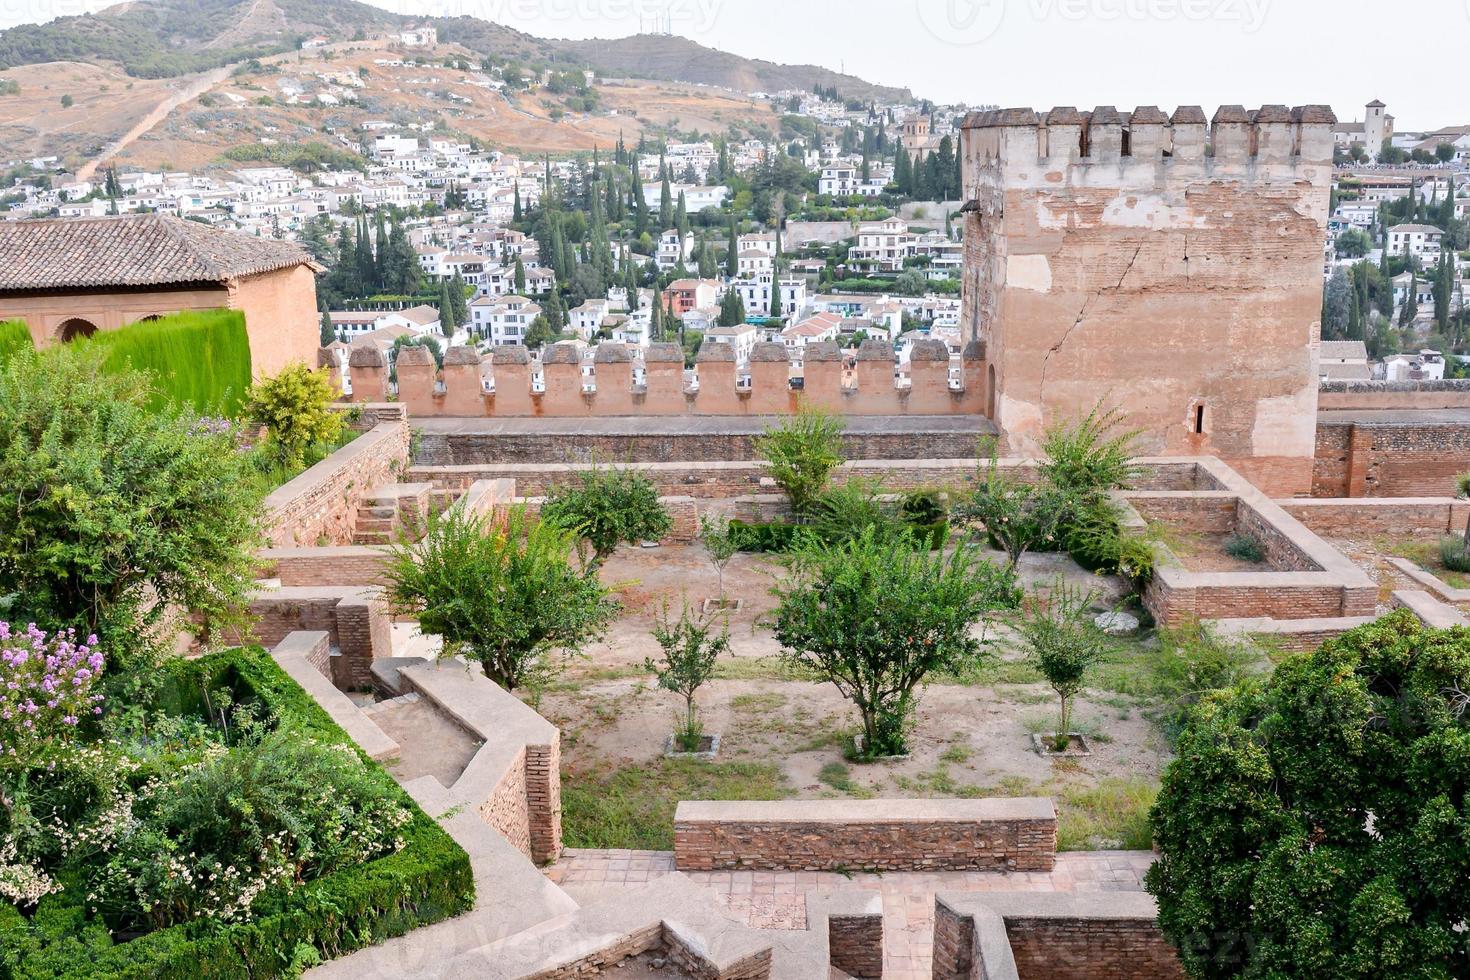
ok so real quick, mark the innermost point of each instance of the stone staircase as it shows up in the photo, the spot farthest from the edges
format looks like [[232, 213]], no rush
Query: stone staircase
[[390, 511]]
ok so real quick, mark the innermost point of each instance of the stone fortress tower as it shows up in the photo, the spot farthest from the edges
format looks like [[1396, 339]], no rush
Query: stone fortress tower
[[1163, 265]]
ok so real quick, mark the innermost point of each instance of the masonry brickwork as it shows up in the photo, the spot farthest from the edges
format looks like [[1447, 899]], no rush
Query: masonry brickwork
[[1393, 395], [875, 835], [320, 506], [1398, 458], [1163, 265]]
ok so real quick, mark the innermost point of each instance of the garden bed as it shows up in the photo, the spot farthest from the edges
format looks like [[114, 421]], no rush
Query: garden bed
[[426, 880]]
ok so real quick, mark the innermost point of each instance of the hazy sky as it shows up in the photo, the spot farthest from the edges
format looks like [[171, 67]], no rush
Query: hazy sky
[[1047, 52]]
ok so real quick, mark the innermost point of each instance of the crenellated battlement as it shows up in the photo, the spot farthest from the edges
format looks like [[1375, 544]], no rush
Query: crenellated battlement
[[510, 382], [1237, 142]]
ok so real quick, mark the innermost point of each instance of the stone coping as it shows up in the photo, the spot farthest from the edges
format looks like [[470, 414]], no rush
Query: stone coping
[[1431, 612], [1440, 515], [1430, 581], [696, 425], [1106, 906], [294, 654], [864, 811]]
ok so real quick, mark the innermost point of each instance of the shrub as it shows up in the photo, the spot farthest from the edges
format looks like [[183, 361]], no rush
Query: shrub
[[116, 512], [198, 359], [1454, 554], [1192, 662], [874, 616], [801, 454], [775, 537], [607, 507], [1462, 482], [845, 511], [1091, 456], [1311, 826], [1243, 547], [690, 647], [294, 406], [46, 689], [924, 507], [1018, 517], [505, 595], [1066, 643], [210, 840]]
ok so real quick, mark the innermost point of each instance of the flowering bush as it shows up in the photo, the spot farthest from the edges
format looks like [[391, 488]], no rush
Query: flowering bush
[[45, 688]]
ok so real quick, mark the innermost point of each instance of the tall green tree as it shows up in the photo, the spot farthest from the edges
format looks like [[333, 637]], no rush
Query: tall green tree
[[732, 253], [328, 332], [446, 310], [665, 206], [520, 277]]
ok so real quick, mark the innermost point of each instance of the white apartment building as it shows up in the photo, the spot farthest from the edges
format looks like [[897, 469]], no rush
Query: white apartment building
[[503, 320], [1421, 241], [755, 293], [742, 337]]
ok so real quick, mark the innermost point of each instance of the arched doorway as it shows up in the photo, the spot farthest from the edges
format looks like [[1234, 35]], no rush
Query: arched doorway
[[75, 329]]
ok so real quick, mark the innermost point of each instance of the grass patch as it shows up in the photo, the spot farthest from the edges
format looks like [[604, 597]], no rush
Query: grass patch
[[1113, 814], [1425, 554], [839, 777], [758, 702], [633, 807]]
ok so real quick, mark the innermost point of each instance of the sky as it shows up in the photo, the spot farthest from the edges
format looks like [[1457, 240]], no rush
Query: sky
[[1042, 53]]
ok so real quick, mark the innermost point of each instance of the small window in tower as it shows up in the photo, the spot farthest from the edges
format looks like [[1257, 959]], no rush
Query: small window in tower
[[1127, 143], [1199, 419]]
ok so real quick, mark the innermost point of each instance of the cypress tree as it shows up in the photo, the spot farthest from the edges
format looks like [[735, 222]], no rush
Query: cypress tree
[[446, 310], [707, 269], [457, 299], [665, 206], [558, 253], [328, 334], [777, 308], [656, 319], [516, 215], [380, 255], [732, 253], [640, 205], [681, 216], [1410, 309], [520, 277]]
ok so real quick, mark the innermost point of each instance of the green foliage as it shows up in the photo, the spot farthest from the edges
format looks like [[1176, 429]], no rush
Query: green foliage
[[504, 594], [428, 879], [847, 510], [1192, 662], [606, 507], [114, 512], [720, 543], [304, 158], [15, 336], [1454, 554], [1058, 626], [1095, 538], [774, 537], [1018, 517], [924, 506], [294, 406], [875, 616], [196, 359], [1243, 547], [801, 454], [1314, 826], [1091, 456], [690, 648]]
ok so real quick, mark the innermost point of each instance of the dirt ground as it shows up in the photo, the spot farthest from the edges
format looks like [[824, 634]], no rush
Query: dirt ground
[[970, 738], [1203, 552]]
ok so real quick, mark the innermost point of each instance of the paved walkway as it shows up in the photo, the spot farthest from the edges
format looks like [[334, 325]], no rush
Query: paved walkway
[[776, 899]]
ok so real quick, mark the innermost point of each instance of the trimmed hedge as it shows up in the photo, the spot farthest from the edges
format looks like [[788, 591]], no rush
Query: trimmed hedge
[[15, 336], [199, 358], [427, 881]]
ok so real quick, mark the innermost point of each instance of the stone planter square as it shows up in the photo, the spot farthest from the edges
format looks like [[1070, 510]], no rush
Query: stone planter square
[[720, 605], [859, 742], [709, 748], [1079, 747]]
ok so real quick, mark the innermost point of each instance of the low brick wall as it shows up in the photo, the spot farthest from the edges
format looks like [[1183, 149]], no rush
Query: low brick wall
[[319, 507], [1051, 936], [356, 621], [1371, 516], [355, 565], [1210, 512], [866, 835], [1393, 395]]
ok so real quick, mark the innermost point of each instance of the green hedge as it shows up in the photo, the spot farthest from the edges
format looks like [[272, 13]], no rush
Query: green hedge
[[427, 881], [14, 336], [199, 359]]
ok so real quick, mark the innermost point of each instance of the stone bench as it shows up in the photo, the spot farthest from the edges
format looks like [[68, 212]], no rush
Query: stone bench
[[867, 835]]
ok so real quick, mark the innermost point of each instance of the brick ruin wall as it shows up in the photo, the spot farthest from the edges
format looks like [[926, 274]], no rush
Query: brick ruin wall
[[732, 837], [1393, 395], [320, 506], [1389, 459], [1175, 277], [507, 809]]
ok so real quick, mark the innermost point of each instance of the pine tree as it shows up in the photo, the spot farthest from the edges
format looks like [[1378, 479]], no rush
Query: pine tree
[[520, 277]]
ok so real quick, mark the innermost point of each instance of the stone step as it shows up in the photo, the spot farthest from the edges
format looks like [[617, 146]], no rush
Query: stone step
[[373, 537], [376, 524], [373, 511]]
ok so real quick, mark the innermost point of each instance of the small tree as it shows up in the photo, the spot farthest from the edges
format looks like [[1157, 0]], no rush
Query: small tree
[[720, 544], [506, 595], [1016, 516], [1066, 643], [874, 616], [801, 454], [691, 647], [606, 507], [1091, 456], [294, 406]]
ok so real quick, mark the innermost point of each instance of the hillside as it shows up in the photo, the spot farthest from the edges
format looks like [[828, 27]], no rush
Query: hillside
[[680, 59]]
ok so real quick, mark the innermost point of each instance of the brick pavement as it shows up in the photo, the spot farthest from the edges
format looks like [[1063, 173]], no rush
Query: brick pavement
[[775, 899]]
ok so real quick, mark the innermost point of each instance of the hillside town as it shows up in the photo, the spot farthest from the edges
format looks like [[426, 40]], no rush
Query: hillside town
[[487, 505]]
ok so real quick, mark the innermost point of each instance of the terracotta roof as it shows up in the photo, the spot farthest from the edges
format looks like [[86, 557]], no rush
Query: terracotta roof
[[133, 250]]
